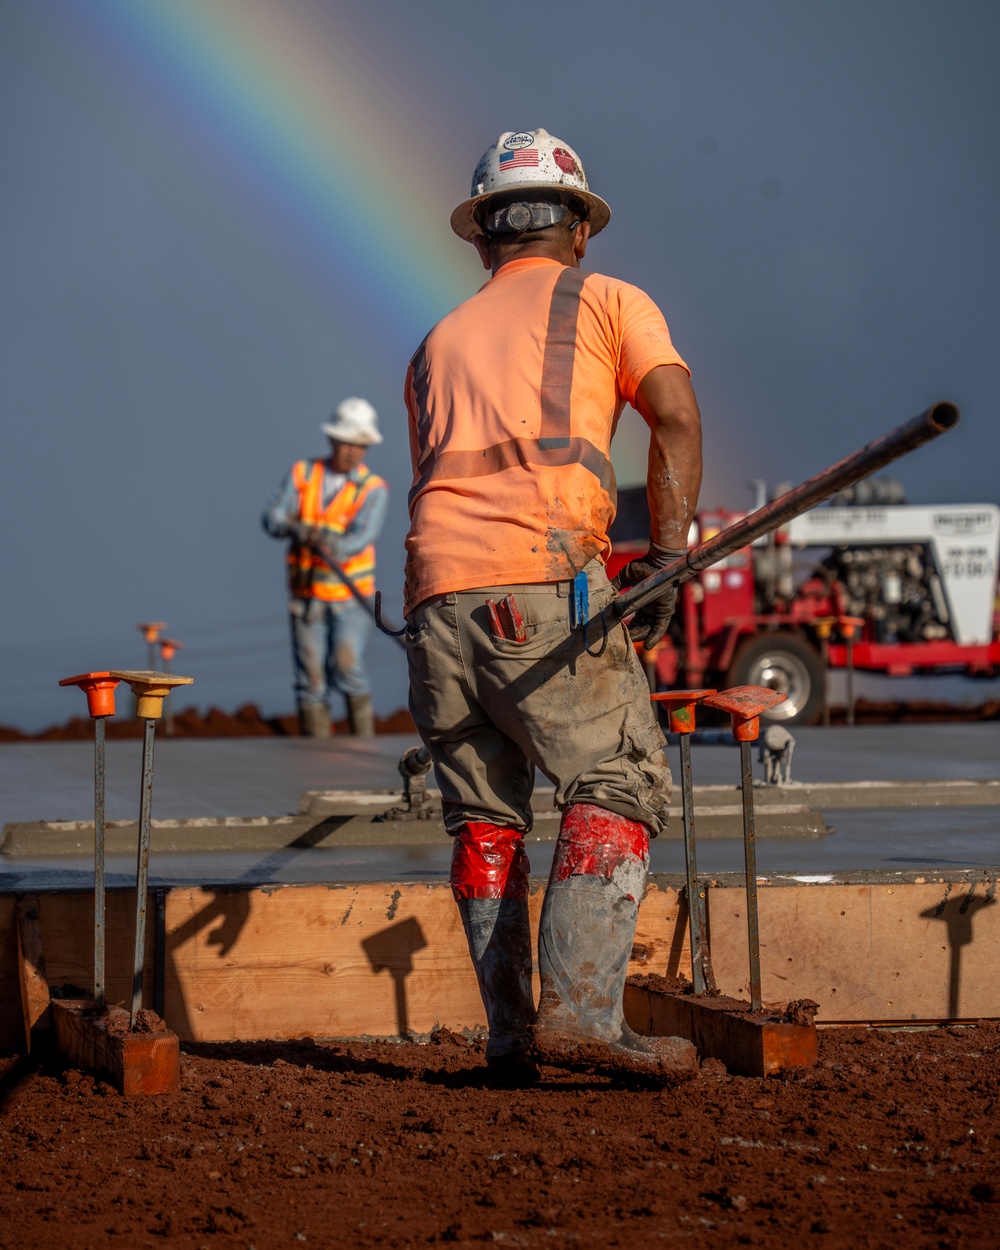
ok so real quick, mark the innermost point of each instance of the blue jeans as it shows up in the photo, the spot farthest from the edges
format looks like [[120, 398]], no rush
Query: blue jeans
[[328, 642]]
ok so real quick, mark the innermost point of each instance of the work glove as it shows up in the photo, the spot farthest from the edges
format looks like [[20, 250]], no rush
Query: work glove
[[314, 536], [300, 532], [650, 623]]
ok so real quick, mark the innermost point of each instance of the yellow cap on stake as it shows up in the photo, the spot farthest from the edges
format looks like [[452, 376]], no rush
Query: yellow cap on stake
[[150, 689]]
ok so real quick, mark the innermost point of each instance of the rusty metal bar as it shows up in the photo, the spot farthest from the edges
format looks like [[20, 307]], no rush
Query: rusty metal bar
[[99, 873], [750, 865], [745, 705], [142, 869], [695, 895], [905, 438]]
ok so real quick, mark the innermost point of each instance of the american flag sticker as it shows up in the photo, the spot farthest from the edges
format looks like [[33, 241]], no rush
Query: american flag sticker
[[519, 159]]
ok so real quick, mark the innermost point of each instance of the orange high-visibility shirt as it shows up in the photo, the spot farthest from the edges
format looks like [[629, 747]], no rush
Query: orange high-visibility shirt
[[513, 399]]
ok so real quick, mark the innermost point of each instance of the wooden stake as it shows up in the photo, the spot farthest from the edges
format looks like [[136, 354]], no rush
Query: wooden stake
[[97, 1039], [31, 971]]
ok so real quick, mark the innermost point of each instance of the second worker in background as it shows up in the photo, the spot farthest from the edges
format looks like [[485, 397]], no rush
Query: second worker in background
[[338, 504]]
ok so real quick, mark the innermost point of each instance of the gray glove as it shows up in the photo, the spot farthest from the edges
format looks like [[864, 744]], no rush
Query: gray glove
[[298, 531], [315, 537], [650, 623]]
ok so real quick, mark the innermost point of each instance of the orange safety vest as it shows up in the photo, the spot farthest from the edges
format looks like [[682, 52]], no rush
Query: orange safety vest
[[310, 577]]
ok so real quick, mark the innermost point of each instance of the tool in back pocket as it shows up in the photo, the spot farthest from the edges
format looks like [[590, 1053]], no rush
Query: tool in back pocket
[[505, 618]]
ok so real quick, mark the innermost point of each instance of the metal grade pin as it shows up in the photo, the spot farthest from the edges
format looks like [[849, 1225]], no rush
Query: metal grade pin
[[682, 707], [150, 689], [100, 691], [745, 705]]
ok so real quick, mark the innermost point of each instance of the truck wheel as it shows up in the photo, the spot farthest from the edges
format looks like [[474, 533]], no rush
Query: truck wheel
[[783, 662]]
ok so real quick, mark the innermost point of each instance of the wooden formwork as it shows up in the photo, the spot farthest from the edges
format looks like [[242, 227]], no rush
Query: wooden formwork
[[384, 959]]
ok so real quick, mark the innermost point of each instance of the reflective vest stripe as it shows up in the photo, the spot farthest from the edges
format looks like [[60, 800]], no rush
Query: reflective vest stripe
[[555, 444], [557, 362]]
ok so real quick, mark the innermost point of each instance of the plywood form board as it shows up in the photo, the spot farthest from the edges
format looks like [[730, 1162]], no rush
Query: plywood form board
[[66, 925], [873, 952], [367, 959], [380, 958], [11, 1018]]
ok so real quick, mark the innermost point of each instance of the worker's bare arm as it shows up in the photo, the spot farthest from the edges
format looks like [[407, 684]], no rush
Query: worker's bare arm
[[667, 403]]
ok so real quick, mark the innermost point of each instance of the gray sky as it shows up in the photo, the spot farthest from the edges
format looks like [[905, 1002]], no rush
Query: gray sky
[[808, 191]]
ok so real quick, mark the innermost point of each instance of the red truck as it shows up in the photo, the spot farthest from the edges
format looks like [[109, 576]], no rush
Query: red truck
[[921, 581]]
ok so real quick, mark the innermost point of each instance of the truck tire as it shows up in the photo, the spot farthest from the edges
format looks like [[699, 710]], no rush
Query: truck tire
[[784, 662]]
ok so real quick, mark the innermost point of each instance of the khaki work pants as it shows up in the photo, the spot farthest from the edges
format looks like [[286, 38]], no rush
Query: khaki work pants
[[490, 710]]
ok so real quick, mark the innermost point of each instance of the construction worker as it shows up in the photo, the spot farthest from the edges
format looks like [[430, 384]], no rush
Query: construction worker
[[340, 504], [513, 399]]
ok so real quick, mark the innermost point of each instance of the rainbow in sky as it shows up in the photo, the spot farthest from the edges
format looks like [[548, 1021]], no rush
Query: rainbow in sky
[[284, 101], [300, 108]]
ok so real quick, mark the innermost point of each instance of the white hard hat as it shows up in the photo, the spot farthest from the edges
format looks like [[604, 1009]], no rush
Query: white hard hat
[[353, 421], [527, 160]]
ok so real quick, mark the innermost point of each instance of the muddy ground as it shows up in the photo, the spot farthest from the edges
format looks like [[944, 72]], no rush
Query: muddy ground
[[891, 1141], [248, 722]]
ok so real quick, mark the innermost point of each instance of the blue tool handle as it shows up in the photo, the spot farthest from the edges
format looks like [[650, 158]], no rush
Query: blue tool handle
[[579, 604]]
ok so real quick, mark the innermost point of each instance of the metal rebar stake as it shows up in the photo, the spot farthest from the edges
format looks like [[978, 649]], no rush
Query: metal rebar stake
[[99, 878], [100, 691], [750, 866], [696, 911], [142, 869], [681, 707], [848, 626], [745, 705], [824, 628], [150, 689]]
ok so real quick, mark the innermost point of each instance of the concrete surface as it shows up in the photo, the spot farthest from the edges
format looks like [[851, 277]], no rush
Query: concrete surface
[[268, 777]]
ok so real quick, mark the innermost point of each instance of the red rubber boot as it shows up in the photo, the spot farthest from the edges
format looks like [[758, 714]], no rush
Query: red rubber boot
[[584, 945], [489, 879]]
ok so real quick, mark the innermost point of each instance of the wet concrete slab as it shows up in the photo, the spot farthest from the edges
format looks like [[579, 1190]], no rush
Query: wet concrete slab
[[877, 828], [268, 776]]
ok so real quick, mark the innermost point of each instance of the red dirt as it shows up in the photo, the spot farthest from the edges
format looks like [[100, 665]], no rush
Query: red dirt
[[245, 722], [891, 1141]]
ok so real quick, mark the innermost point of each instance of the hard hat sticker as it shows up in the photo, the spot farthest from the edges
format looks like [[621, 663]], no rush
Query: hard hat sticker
[[513, 142], [518, 160], [565, 161]]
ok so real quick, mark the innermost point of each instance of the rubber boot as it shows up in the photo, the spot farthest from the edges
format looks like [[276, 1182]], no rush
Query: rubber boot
[[584, 946], [489, 879], [361, 715], [314, 720]]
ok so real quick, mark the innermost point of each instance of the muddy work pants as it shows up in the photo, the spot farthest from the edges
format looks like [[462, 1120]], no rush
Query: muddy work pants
[[328, 643], [490, 709]]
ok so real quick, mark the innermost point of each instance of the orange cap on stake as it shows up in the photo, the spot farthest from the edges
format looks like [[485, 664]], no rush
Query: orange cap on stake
[[151, 629], [848, 624], [169, 647], [681, 705], [99, 689], [744, 705], [150, 689]]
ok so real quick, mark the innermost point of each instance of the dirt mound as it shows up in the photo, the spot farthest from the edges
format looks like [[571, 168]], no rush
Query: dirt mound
[[891, 1140], [245, 722]]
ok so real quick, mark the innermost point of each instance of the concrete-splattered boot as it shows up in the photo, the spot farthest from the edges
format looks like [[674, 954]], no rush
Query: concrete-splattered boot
[[314, 720], [584, 945], [361, 715], [489, 879]]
